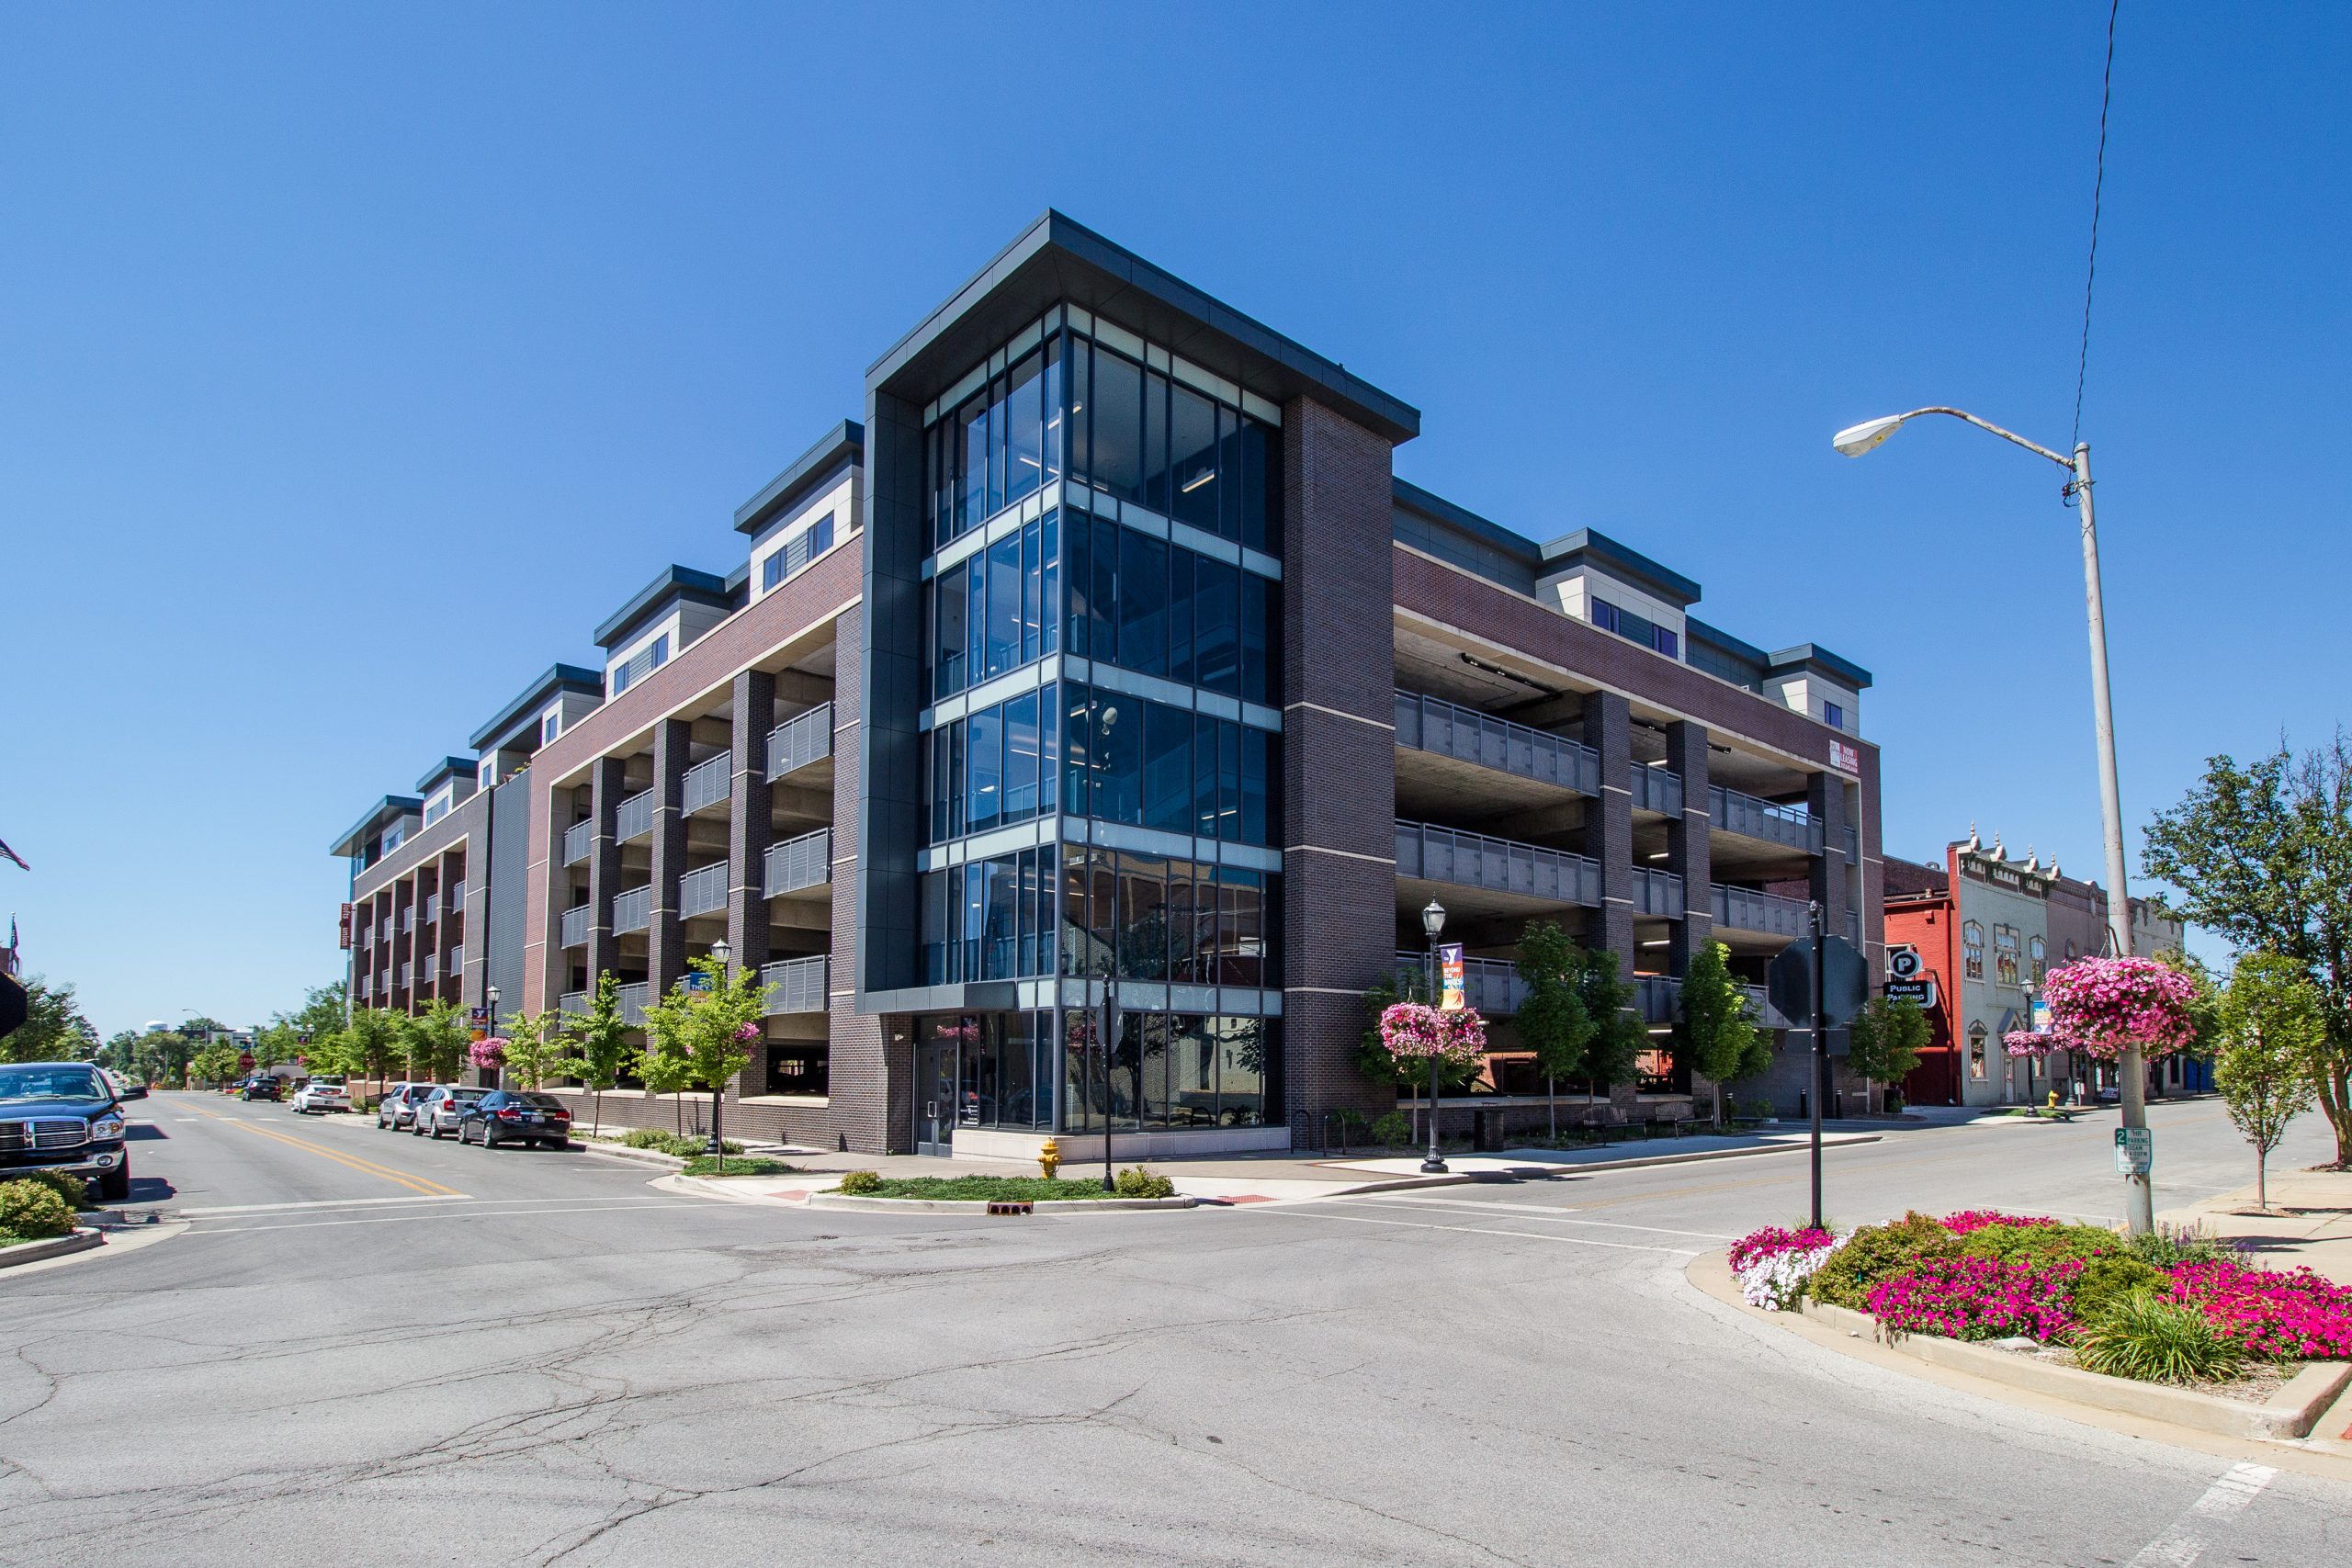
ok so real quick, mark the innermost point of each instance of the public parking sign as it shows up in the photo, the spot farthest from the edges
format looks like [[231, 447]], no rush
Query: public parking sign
[[2135, 1150]]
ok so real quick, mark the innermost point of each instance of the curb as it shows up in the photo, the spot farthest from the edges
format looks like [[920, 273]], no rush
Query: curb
[[2287, 1417], [622, 1151], [1541, 1172], [978, 1210], [56, 1247]]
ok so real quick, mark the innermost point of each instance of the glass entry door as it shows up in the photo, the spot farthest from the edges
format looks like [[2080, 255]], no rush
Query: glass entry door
[[935, 1091]]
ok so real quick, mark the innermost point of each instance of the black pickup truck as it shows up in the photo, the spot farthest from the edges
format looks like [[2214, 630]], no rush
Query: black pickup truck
[[64, 1116]]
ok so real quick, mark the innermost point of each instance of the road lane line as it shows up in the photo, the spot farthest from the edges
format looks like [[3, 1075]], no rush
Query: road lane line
[[1323, 1211], [2184, 1544], [366, 1166], [1547, 1215], [456, 1214], [318, 1204]]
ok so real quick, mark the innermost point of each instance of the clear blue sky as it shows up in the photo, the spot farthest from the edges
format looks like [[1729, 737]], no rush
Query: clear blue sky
[[354, 363]]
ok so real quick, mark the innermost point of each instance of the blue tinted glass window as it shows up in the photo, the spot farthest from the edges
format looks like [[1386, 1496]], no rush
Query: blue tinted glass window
[[1078, 566], [948, 606], [1049, 590], [1664, 641], [1167, 767], [1192, 457], [1606, 615], [1024, 412], [1143, 917], [1256, 783], [1260, 630], [1101, 606], [1118, 425], [932, 893], [1000, 926], [661, 651], [1229, 780], [1003, 639], [1118, 757], [1180, 614], [972, 461], [1143, 603], [1078, 753], [1204, 821], [1032, 601], [1833, 715], [771, 570], [1217, 626], [1262, 491], [1056, 414], [1155, 440], [984, 796], [1021, 758]]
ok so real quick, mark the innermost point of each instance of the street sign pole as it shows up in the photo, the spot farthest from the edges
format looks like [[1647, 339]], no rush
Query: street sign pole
[[1820, 1046]]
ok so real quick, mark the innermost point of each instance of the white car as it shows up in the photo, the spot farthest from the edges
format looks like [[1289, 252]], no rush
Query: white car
[[321, 1094]]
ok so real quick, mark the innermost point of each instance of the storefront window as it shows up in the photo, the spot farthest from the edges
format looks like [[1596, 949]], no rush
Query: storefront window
[[1976, 1049], [1971, 944]]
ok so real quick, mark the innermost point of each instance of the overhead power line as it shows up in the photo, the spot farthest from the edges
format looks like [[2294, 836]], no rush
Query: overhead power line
[[2099, 184]]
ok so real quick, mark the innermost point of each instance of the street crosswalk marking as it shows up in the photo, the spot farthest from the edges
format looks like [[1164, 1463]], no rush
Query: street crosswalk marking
[[1541, 1214], [318, 1204], [2183, 1545], [538, 1208], [1323, 1211]]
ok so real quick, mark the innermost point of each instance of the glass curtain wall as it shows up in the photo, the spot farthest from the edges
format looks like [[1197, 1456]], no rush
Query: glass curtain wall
[[1117, 582]]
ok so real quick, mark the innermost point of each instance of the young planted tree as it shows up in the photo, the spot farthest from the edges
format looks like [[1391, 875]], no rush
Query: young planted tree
[[376, 1039], [1718, 1024], [533, 1050], [2272, 1023], [215, 1064], [437, 1039], [1611, 1002], [2262, 854], [1885, 1040], [599, 1047], [706, 1034], [1552, 1021]]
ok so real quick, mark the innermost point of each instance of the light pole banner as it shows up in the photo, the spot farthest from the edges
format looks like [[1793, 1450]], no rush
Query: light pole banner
[[1449, 973]]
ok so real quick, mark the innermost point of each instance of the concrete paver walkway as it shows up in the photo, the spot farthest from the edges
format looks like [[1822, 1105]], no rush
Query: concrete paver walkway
[[2310, 1221]]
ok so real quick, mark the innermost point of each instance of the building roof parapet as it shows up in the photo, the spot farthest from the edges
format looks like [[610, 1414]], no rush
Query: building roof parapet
[[385, 812], [678, 584], [1589, 546], [557, 679], [1057, 258], [446, 769], [1814, 659], [842, 447]]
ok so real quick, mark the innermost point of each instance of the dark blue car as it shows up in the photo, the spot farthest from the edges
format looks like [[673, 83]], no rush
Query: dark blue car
[[64, 1116]]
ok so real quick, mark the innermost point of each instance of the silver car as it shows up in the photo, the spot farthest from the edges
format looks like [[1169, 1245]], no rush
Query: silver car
[[441, 1108], [397, 1110]]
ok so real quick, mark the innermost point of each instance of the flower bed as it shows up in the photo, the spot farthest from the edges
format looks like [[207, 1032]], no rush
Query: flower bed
[[1982, 1274]]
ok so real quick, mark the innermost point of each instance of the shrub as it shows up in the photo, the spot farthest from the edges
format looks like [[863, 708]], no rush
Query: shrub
[[646, 1137], [738, 1165], [2154, 1340], [860, 1182], [74, 1189], [2042, 1243], [31, 1210], [1976, 1298], [2107, 1281], [1972, 1219], [1879, 1252], [2167, 1246], [1138, 1182], [2270, 1314], [1392, 1129]]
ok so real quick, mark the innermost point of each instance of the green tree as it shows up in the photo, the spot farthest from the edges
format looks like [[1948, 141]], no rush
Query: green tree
[[600, 1046], [1885, 1039], [436, 1039], [2262, 856], [1717, 1026], [53, 1030], [704, 1035], [215, 1064], [2272, 1022], [377, 1038], [1612, 1002], [534, 1049], [1552, 1021]]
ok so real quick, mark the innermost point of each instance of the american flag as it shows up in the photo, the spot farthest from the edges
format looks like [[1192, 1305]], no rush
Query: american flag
[[13, 855]]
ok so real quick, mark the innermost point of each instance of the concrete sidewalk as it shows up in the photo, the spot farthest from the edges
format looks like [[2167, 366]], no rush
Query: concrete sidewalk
[[2310, 1222]]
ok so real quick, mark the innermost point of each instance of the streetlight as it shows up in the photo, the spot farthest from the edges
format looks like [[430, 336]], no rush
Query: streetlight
[[490, 994], [1855, 440], [1433, 922], [719, 953]]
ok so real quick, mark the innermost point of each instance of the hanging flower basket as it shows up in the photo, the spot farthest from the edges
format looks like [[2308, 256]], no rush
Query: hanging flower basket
[[1415, 1031], [489, 1053], [2104, 1004], [2026, 1043]]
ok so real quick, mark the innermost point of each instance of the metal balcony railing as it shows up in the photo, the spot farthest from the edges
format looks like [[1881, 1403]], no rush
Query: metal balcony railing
[[360, 987], [800, 740], [572, 1002], [1754, 819], [633, 911], [456, 961], [432, 908], [408, 918], [1744, 909], [710, 782], [575, 926], [1490, 985], [700, 891], [1447, 729], [798, 984], [404, 972], [457, 898], [632, 998], [1500, 865], [576, 842], [799, 863], [1661, 1002], [1657, 789], [635, 818], [1657, 892]]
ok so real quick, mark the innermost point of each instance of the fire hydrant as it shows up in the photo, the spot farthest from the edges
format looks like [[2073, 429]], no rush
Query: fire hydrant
[[1049, 1158], [2054, 1100]]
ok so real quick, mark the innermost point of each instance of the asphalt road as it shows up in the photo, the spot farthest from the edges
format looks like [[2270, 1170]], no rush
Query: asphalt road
[[372, 1348]]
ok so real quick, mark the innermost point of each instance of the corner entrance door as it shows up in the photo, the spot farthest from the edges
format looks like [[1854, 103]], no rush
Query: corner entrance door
[[935, 1086]]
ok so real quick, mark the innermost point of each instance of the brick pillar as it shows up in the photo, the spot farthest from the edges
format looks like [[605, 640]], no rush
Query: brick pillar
[[665, 939], [1825, 796], [1609, 825], [750, 817], [603, 866], [1688, 844], [1337, 915]]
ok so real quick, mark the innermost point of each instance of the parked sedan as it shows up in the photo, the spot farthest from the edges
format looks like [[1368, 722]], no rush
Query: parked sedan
[[443, 1110], [516, 1116], [261, 1086], [320, 1095], [397, 1110]]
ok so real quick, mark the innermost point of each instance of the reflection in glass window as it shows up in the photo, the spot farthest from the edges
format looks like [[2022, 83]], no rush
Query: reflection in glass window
[[1972, 947], [1976, 1032]]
